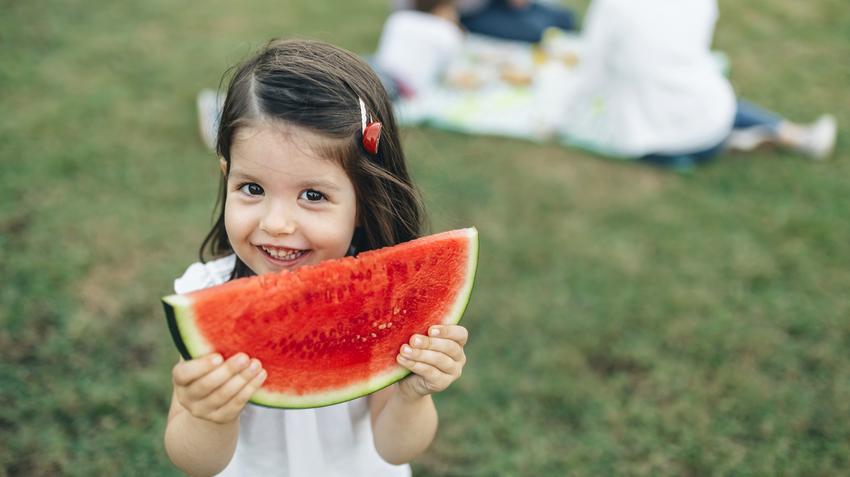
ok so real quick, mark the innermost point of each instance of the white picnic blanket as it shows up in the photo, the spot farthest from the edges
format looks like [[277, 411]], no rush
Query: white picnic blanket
[[507, 89]]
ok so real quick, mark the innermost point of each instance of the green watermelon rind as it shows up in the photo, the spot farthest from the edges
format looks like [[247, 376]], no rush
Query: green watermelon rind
[[190, 344], [178, 313]]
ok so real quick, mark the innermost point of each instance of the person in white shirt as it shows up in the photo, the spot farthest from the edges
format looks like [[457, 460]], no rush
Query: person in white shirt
[[648, 87]]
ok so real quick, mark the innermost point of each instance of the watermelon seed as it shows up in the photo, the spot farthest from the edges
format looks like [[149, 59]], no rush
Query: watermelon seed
[[374, 335], [382, 326], [390, 324]]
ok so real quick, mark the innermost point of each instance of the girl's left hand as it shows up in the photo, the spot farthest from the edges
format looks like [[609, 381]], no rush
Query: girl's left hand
[[436, 360]]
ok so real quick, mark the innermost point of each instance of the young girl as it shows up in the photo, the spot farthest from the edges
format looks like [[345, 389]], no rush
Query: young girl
[[301, 185]]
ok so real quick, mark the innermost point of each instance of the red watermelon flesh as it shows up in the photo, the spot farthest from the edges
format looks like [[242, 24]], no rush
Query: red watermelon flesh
[[330, 332]]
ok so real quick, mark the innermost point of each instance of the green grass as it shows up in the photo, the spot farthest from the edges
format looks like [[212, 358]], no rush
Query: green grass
[[626, 320]]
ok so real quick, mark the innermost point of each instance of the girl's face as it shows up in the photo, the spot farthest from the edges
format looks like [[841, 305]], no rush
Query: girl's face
[[286, 206]]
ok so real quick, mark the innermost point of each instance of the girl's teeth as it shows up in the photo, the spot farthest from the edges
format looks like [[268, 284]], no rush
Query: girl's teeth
[[284, 254]]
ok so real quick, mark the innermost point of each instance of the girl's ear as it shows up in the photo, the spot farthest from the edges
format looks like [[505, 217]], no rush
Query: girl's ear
[[223, 165]]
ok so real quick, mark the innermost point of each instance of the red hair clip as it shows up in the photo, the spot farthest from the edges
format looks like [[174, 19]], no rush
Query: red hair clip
[[371, 130]]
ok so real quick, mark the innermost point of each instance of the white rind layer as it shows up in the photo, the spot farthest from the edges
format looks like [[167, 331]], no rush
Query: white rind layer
[[195, 344]]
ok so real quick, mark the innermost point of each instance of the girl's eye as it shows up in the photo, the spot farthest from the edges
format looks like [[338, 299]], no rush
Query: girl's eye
[[252, 189], [312, 195]]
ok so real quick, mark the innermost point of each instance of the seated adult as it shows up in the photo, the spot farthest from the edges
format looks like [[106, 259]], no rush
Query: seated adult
[[518, 20], [649, 87], [521, 20]]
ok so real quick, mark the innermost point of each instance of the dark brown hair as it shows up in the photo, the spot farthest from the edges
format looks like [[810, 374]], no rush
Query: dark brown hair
[[315, 86], [428, 6]]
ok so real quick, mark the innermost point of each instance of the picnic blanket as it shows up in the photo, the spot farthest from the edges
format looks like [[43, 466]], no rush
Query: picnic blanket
[[507, 89]]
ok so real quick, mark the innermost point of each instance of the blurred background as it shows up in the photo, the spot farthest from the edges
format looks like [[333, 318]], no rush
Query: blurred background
[[627, 320]]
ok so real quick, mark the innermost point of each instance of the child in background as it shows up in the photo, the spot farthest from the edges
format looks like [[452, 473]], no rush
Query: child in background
[[417, 45], [300, 186]]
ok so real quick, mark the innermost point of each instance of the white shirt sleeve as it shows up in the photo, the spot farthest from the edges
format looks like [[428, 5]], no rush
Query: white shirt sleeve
[[204, 275]]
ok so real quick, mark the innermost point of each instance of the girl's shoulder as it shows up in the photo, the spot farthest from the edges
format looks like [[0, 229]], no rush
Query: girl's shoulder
[[203, 275]]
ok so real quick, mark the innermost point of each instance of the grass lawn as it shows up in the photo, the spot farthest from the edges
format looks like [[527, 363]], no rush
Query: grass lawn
[[626, 320]]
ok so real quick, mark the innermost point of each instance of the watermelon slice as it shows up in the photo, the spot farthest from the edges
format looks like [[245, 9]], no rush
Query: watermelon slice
[[330, 332]]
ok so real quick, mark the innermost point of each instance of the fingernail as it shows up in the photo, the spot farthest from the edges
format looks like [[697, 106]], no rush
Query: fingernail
[[241, 359], [255, 365], [434, 331], [217, 359], [418, 341], [407, 349]]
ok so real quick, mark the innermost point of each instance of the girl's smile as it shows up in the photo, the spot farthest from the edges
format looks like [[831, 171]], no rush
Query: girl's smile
[[283, 256], [283, 253], [286, 205]]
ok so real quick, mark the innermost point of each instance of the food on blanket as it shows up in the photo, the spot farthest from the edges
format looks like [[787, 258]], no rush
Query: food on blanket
[[568, 58], [561, 46], [464, 79], [539, 55], [516, 76], [330, 332]]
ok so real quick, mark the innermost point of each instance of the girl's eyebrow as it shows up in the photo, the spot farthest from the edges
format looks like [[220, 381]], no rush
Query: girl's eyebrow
[[304, 184], [237, 174], [318, 184]]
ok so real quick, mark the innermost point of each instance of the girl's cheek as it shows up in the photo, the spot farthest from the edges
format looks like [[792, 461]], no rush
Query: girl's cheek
[[333, 234], [238, 219]]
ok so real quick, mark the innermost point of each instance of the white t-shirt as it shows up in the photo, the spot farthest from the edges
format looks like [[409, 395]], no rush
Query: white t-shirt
[[322, 442], [415, 47], [647, 82]]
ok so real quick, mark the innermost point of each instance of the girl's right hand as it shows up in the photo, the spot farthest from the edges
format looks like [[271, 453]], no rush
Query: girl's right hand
[[217, 390]]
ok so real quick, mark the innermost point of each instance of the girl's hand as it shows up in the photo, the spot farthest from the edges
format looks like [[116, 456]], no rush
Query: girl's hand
[[436, 360], [217, 390]]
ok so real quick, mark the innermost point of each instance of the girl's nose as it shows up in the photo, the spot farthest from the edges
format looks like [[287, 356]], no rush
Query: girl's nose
[[278, 221]]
